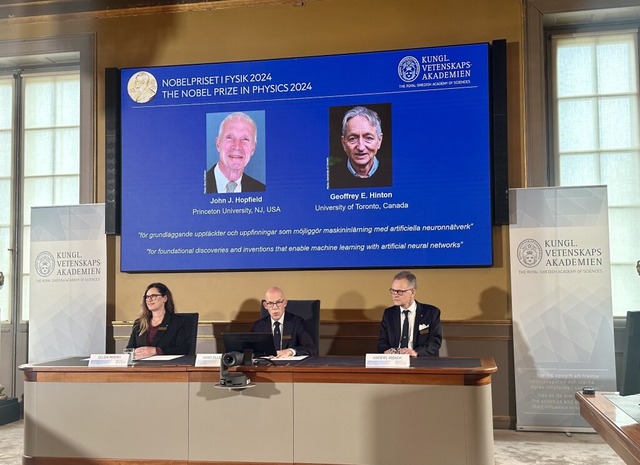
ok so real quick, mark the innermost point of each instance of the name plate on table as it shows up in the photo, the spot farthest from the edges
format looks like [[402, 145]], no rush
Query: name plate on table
[[387, 361], [208, 360], [109, 360]]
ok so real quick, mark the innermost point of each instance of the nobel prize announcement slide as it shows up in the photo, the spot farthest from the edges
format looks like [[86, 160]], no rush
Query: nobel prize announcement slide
[[370, 160]]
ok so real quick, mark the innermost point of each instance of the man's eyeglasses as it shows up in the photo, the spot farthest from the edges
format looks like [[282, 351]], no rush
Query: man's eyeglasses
[[277, 303], [399, 291], [152, 296]]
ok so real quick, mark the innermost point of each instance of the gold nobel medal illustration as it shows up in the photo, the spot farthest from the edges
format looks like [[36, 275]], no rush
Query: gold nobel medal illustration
[[142, 87]]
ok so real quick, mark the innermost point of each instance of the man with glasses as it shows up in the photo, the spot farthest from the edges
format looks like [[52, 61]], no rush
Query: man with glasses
[[409, 327], [290, 337]]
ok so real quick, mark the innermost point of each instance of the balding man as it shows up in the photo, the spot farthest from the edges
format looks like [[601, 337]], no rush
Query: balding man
[[289, 333]]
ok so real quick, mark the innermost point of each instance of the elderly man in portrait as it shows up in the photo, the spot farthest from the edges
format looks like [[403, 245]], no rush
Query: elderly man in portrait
[[236, 142], [361, 139]]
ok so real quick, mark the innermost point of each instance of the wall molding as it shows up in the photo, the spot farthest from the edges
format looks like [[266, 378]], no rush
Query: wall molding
[[66, 10]]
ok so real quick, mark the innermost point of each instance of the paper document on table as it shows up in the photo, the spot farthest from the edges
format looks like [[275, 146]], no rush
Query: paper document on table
[[289, 359], [158, 358]]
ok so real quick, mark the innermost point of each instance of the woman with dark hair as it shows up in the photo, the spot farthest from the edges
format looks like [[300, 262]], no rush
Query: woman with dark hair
[[157, 330]]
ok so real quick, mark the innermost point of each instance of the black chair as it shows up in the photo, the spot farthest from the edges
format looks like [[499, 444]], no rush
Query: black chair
[[191, 322], [309, 311]]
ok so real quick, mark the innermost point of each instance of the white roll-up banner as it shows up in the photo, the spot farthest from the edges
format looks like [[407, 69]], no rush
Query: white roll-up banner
[[67, 294], [561, 303]]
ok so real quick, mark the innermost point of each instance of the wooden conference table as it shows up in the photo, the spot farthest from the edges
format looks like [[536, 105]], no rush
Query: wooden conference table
[[615, 418], [322, 410]]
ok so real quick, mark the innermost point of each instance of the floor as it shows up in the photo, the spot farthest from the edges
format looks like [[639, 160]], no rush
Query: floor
[[511, 448], [529, 448]]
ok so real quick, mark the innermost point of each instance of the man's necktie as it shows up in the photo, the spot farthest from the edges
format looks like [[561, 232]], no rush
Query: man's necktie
[[404, 340], [231, 186], [277, 339]]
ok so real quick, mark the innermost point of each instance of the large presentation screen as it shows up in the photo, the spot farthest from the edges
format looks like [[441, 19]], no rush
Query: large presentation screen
[[371, 160]]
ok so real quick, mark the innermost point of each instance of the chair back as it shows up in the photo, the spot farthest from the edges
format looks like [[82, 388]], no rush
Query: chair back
[[309, 311], [191, 323]]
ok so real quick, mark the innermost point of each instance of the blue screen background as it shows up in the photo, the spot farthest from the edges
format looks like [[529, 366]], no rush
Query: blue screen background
[[439, 145]]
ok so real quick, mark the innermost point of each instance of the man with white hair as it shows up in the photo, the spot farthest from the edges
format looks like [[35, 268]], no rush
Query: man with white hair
[[236, 142]]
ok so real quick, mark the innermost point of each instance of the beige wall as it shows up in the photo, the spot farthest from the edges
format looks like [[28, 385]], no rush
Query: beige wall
[[317, 28]]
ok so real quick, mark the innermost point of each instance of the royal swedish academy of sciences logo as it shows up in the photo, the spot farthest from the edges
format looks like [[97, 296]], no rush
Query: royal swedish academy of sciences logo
[[408, 69], [45, 264], [529, 253]]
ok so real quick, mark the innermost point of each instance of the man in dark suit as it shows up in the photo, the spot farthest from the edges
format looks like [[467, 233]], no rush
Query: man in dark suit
[[236, 142], [289, 334], [409, 327]]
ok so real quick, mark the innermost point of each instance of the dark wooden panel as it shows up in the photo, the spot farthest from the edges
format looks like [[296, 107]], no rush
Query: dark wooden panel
[[617, 428]]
